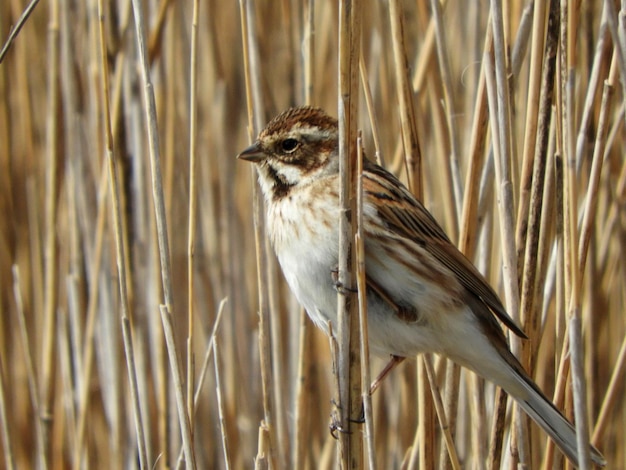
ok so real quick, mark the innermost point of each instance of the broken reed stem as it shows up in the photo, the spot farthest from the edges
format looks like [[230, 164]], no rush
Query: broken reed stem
[[204, 367], [177, 383], [220, 405]]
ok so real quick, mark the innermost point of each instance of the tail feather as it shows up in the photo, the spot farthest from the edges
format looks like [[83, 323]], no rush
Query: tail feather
[[546, 415]]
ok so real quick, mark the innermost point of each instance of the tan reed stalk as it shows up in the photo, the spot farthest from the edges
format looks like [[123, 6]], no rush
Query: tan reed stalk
[[468, 236], [413, 164], [193, 201], [303, 395], [448, 98], [362, 299], [155, 37], [30, 368], [220, 407], [441, 414], [612, 394], [179, 393], [47, 369], [572, 273], [253, 99], [598, 71], [497, 432], [201, 377], [424, 61], [88, 339], [530, 216], [503, 159], [350, 451], [596, 170], [150, 117], [441, 131], [119, 247], [378, 155], [537, 55], [410, 138], [618, 34], [15, 29], [154, 153]]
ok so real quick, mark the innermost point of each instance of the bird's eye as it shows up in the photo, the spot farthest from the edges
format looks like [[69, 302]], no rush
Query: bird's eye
[[289, 145]]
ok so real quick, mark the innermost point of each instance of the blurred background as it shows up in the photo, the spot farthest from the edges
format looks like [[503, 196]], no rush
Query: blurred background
[[80, 196]]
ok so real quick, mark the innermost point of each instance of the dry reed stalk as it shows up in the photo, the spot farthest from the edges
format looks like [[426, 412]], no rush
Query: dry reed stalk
[[179, 392], [441, 414], [529, 217], [448, 98], [47, 369], [378, 155], [15, 30], [303, 386], [537, 55], [120, 250], [201, 377], [253, 98], [220, 407], [361, 283], [572, 273], [410, 138], [504, 201], [348, 364], [193, 202]]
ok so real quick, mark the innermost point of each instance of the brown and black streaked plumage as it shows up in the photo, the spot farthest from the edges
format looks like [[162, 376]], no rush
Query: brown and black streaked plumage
[[423, 294]]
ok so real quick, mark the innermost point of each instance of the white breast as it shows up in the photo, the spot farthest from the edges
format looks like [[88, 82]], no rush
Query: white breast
[[303, 231]]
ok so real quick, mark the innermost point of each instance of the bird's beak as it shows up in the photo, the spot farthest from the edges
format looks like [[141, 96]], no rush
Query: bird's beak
[[253, 154]]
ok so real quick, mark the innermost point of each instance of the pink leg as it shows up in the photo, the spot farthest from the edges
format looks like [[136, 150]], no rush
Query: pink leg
[[391, 365]]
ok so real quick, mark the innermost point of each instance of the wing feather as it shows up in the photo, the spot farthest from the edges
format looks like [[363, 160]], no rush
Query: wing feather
[[405, 216]]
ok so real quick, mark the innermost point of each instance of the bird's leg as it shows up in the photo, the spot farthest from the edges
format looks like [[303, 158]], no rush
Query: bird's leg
[[391, 365]]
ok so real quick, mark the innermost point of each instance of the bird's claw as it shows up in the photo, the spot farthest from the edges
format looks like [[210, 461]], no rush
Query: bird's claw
[[339, 286]]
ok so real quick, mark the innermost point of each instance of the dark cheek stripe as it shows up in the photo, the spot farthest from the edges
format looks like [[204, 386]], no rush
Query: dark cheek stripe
[[281, 187]]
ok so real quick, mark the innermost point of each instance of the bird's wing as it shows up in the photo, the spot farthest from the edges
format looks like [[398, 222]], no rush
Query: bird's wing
[[406, 217]]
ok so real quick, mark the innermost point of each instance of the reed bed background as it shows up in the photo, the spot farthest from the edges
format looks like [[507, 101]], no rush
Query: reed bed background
[[129, 246]]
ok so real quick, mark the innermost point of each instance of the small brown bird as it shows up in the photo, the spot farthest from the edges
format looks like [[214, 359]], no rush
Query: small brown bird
[[423, 294]]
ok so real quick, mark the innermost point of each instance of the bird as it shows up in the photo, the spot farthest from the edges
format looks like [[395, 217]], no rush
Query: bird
[[423, 295]]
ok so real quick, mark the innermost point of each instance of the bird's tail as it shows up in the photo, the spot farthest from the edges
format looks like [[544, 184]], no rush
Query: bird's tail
[[546, 415]]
